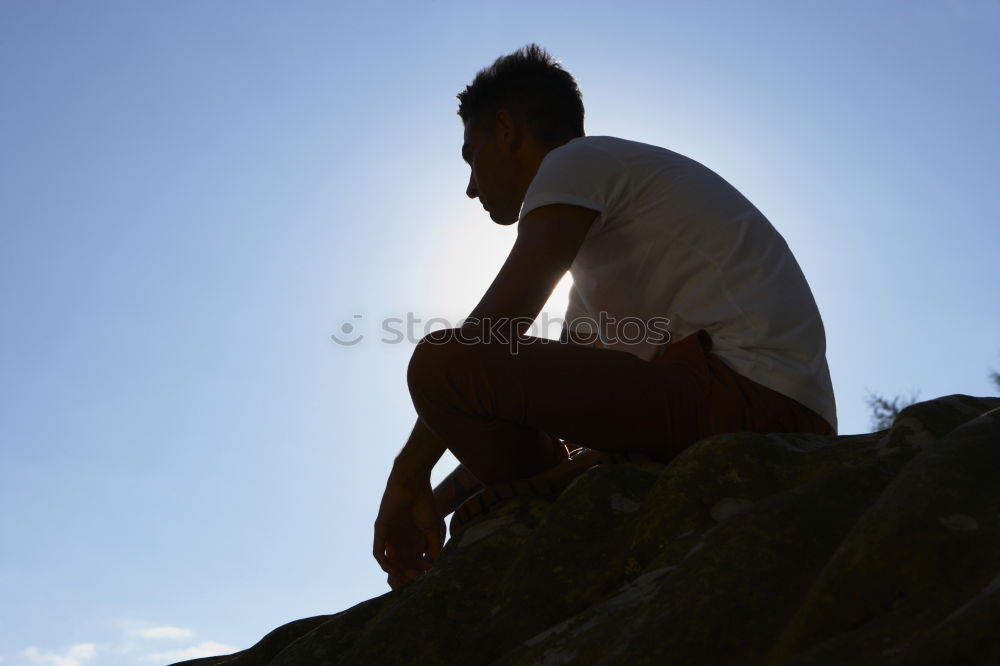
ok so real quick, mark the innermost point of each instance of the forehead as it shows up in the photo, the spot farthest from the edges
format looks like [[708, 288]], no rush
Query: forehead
[[471, 140]]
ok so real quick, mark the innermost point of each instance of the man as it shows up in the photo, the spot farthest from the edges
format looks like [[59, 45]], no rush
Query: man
[[650, 237]]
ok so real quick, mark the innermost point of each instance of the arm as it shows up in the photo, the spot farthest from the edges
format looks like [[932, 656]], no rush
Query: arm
[[419, 455], [547, 242], [548, 239], [409, 530], [416, 457]]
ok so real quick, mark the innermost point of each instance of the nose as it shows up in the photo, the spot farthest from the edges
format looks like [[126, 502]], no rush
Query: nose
[[471, 190]]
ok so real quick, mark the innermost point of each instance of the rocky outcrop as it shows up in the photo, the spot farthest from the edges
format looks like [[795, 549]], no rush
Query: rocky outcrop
[[782, 549]]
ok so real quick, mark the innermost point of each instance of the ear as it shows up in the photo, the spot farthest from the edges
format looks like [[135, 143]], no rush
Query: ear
[[509, 132]]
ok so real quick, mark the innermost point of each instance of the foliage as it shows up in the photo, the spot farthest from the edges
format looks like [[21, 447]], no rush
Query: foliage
[[885, 410]]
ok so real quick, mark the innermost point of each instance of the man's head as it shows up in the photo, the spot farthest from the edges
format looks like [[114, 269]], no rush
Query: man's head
[[514, 112]]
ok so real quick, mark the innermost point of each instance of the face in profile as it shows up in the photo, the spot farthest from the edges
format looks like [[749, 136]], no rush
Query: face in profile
[[493, 175]]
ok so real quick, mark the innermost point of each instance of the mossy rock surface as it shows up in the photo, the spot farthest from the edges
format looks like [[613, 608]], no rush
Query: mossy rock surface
[[769, 550]]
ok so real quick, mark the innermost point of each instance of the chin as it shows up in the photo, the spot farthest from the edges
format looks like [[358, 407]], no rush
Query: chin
[[503, 220]]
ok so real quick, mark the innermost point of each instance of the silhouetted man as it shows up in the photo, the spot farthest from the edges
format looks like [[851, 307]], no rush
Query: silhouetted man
[[688, 314]]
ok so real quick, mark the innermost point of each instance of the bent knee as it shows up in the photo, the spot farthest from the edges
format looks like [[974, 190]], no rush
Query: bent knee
[[438, 350]]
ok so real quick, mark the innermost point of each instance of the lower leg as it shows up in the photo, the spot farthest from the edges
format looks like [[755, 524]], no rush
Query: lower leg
[[494, 450]]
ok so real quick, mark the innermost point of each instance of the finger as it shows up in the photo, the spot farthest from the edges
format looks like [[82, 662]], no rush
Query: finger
[[386, 553], [379, 550], [428, 563], [400, 576], [402, 556], [433, 537], [395, 567]]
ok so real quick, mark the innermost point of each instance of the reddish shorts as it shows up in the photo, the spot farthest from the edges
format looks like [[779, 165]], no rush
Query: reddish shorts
[[728, 401], [506, 415]]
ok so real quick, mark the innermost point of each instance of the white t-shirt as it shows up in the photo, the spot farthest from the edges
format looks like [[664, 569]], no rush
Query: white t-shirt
[[674, 240]]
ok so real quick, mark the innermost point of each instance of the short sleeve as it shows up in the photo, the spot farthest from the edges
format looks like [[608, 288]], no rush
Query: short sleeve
[[578, 174]]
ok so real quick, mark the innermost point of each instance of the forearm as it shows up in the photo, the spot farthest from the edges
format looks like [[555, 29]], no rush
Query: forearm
[[457, 487], [420, 453]]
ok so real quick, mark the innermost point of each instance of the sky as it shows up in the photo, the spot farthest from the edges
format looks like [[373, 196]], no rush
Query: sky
[[195, 196]]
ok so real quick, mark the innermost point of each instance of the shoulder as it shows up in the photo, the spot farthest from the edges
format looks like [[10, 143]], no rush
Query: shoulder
[[585, 157], [596, 147], [613, 153], [596, 172]]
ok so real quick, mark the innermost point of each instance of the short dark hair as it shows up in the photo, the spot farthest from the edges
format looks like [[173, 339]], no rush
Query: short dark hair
[[534, 87]]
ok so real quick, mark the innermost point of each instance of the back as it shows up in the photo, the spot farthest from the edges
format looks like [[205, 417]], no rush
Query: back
[[675, 240]]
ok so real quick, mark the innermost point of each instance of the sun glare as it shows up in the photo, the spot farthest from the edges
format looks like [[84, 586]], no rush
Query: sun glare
[[463, 268]]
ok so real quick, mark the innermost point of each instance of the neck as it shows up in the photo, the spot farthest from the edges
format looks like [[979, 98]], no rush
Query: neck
[[531, 158]]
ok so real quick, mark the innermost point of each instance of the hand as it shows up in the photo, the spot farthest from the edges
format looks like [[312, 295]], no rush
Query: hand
[[409, 530]]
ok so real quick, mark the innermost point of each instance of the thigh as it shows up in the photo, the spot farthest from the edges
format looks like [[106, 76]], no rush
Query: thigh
[[603, 399]]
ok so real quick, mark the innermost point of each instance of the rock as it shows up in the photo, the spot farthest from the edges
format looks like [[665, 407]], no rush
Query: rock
[[749, 549]]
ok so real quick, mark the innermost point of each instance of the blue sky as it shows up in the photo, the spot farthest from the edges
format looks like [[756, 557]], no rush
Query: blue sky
[[195, 196]]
